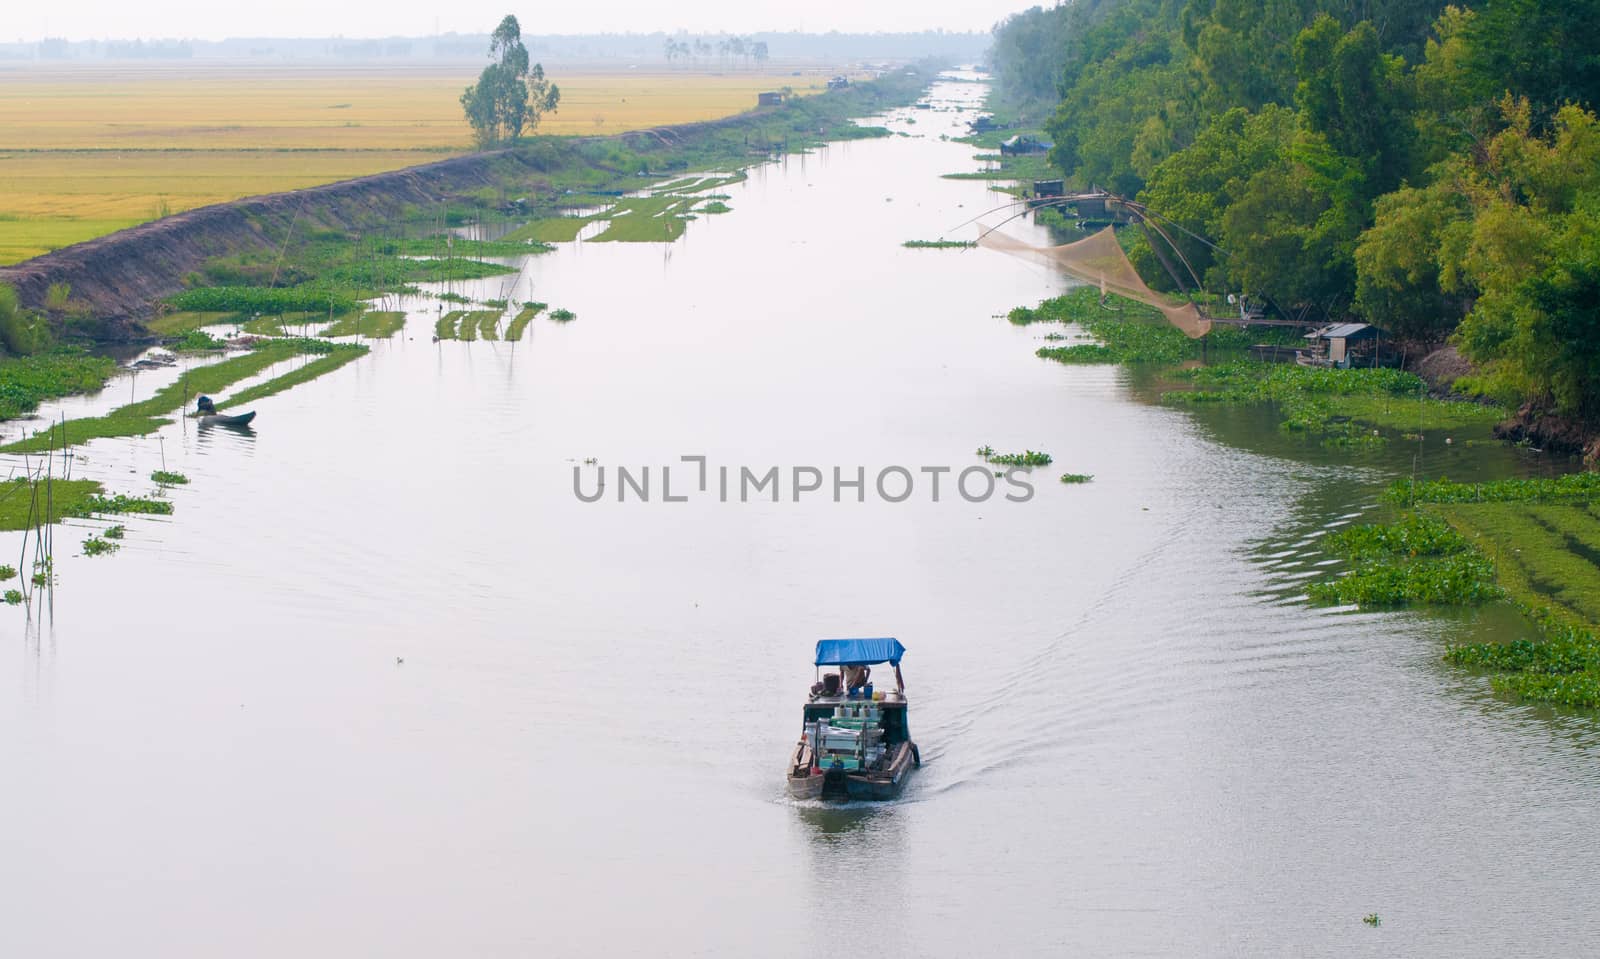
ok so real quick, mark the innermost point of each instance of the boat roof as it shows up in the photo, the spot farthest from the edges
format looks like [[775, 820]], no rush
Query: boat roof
[[859, 652]]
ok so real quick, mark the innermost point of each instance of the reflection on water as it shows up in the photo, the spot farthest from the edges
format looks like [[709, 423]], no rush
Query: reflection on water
[[418, 700]]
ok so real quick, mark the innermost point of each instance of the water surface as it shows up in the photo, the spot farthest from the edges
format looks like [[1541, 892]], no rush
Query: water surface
[[384, 686]]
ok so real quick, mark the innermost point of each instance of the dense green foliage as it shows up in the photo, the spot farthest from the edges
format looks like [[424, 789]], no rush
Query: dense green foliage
[[28, 380], [1434, 170]]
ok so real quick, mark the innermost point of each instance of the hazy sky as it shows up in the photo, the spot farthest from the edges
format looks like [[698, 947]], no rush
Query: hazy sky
[[210, 20]]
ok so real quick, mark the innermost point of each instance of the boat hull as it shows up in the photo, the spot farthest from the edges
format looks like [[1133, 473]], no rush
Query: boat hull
[[217, 419], [879, 785], [874, 785]]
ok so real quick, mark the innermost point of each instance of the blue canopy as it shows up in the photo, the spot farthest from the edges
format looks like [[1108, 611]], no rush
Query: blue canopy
[[859, 652]]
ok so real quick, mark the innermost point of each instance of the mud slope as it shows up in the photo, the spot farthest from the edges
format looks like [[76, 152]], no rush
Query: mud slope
[[119, 277]]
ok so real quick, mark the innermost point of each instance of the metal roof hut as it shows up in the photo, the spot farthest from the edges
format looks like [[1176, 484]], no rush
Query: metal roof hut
[[1344, 345]]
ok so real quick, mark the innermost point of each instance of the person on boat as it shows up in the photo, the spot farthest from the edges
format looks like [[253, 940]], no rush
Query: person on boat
[[205, 407], [856, 677], [828, 687]]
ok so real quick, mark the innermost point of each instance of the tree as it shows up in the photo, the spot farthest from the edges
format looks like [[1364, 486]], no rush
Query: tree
[[511, 95], [759, 51]]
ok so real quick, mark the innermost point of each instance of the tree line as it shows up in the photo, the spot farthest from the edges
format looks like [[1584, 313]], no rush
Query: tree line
[[1432, 169], [728, 49]]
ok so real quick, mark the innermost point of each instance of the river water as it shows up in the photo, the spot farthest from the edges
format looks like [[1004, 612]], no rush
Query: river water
[[383, 685]]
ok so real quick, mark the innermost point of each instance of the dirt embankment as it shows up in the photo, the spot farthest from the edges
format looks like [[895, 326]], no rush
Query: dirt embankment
[[120, 277], [1559, 435]]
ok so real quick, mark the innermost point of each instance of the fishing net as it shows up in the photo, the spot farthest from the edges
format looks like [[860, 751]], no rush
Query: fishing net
[[1099, 260]]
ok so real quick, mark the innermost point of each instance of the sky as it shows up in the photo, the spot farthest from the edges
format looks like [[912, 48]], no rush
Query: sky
[[209, 20]]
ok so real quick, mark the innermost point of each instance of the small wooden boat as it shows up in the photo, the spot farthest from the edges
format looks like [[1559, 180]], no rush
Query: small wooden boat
[[223, 419], [855, 742]]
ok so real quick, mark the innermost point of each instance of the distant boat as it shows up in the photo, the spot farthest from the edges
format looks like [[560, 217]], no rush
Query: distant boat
[[855, 743]]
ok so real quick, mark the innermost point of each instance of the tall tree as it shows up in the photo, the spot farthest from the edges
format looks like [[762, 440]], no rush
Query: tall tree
[[511, 94]]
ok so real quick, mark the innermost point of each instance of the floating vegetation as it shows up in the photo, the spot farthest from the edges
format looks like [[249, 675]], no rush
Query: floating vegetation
[[96, 546], [7, 572], [264, 300], [167, 478], [939, 244], [1372, 919], [197, 341], [715, 206], [13, 598], [520, 322], [124, 504], [1416, 534], [450, 297], [1026, 459], [1419, 560], [1076, 477], [1462, 579], [115, 532], [378, 324], [563, 316], [1561, 668], [26, 381], [25, 503]]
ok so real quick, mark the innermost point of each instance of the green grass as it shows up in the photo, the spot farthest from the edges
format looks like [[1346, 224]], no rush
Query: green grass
[[1545, 555], [27, 381], [23, 503], [377, 325], [197, 341], [1572, 487], [520, 322], [327, 363], [558, 229], [467, 325], [182, 321]]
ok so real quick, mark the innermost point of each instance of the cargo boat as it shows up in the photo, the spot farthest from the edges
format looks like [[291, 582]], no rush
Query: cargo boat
[[855, 740]]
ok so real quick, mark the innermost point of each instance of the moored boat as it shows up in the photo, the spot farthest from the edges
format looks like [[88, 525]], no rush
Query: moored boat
[[855, 740]]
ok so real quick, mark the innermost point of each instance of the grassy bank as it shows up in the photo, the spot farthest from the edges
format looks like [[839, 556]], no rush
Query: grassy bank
[[1535, 542], [26, 503]]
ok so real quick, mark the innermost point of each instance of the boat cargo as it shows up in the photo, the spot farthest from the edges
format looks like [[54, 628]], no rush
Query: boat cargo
[[855, 739]]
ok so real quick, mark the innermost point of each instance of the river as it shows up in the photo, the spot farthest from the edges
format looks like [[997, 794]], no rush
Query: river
[[383, 684]]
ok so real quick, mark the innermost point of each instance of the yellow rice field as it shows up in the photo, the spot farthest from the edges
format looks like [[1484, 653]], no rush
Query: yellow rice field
[[87, 150]]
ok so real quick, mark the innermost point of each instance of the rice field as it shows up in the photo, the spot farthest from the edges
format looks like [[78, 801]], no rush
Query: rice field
[[88, 150]]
